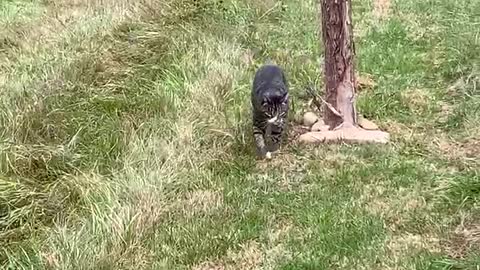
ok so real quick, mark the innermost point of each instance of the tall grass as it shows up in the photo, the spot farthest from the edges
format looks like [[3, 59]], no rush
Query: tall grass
[[98, 130]]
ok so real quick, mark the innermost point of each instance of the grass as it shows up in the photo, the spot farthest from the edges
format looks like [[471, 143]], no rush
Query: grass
[[126, 143]]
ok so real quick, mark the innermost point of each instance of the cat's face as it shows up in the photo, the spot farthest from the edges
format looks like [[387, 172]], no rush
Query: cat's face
[[275, 108]]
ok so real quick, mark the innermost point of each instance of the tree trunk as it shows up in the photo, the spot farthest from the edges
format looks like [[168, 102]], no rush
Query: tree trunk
[[339, 62], [339, 110]]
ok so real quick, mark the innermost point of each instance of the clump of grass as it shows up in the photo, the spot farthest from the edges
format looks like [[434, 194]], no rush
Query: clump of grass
[[92, 120]]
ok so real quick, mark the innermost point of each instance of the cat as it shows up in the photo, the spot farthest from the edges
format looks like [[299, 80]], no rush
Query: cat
[[270, 101]]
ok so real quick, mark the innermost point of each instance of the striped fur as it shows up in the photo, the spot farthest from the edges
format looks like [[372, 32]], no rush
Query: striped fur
[[270, 108]]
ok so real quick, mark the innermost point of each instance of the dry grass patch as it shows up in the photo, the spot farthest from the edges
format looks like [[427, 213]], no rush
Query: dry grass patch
[[263, 6], [466, 150], [59, 17], [446, 110], [461, 86], [201, 202], [276, 251], [401, 246], [418, 28], [364, 82], [253, 255], [247, 57], [279, 230], [416, 99], [292, 171], [374, 197], [396, 207], [464, 239], [114, 237], [282, 159], [150, 210], [381, 8], [397, 129], [249, 257]]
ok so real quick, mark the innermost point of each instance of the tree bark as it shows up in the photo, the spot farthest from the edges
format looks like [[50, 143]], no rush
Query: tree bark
[[339, 62], [339, 112]]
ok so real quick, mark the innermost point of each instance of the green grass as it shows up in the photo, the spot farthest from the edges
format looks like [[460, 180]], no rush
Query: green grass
[[125, 139]]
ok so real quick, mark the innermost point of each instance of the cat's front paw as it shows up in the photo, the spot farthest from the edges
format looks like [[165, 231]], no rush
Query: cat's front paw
[[274, 147], [261, 153]]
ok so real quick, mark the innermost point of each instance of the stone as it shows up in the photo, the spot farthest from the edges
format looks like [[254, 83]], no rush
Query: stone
[[320, 126], [367, 124], [347, 135], [298, 118], [309, 119]]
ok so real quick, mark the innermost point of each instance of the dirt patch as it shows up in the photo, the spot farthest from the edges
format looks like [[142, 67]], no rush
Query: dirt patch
[[381, 8], [466, 150], [464, 239]]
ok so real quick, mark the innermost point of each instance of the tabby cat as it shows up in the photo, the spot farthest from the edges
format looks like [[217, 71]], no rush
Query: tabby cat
[[270, 108]]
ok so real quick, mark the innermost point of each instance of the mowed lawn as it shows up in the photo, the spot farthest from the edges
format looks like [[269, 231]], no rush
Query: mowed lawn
[[125, 138]]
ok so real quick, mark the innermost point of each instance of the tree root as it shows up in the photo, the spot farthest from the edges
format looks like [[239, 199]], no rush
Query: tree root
[[345, 133]]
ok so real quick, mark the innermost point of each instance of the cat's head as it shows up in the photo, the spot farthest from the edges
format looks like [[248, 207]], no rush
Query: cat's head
[[275, 106]]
